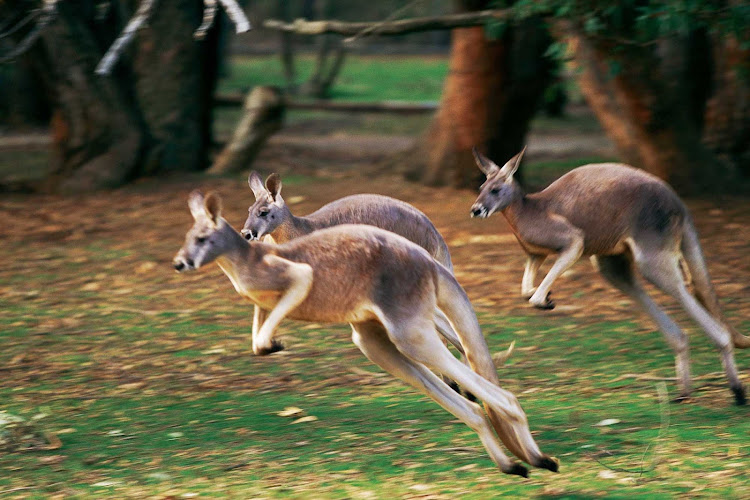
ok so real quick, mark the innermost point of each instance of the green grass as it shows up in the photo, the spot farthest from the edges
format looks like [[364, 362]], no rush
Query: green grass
[[173, 404], [363, 78]]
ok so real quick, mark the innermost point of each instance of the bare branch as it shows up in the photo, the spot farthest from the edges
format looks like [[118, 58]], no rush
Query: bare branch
[[400, 27], [236, 15], [48, 12], [23, 22], [135, 23], [209, 15]]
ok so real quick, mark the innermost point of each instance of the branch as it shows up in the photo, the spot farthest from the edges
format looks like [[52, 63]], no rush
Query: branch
[[236, 15], [401, 27], [49, 9], [135, 23], [209, 14]]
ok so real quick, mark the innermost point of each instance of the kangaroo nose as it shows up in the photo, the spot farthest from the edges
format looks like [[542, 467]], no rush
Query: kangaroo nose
[[249, 234], [179, 266], [476, 212]]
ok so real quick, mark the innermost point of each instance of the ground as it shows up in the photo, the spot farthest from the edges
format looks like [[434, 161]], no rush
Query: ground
[[143, 383], [120, 378]]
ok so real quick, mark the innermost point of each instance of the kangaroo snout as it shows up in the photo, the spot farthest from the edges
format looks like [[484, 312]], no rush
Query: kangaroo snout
[[181, 264], [478, 211], [249, 234]]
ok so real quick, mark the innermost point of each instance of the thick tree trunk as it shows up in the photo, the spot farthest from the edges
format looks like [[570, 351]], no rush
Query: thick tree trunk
[[97, 138], [153, 115], [173, 87], [490, 94], [656, 111]]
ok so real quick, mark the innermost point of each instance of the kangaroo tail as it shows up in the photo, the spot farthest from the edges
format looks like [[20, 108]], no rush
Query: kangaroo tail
[[704, 290], [452, 300]]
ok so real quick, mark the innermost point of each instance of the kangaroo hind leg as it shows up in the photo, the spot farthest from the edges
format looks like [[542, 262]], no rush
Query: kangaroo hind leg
[[662, 269], [373, 341], [618, 270], [418, 342]]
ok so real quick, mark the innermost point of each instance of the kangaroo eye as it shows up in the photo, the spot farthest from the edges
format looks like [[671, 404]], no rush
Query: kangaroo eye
[[263, 212], [201, 239], [495, 191]]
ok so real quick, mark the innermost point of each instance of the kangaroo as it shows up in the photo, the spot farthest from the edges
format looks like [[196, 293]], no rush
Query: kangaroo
[[387, 288], [270, 216], [625, 219]]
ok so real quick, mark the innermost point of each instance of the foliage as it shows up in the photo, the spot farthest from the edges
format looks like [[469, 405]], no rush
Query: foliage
[[639, 22]]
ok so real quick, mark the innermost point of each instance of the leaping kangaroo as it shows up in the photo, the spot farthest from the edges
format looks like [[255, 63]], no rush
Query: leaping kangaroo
[[626, 219], [387, 288], [270, 216]]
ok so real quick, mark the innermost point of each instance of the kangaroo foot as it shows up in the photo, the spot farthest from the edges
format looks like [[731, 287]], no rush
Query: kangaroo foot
[[276, 346], [546, 304], [739, 395], [549, 463], [518, 470]]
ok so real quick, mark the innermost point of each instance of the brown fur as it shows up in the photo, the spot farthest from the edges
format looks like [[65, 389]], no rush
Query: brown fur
[[612, 212], [387, 288]]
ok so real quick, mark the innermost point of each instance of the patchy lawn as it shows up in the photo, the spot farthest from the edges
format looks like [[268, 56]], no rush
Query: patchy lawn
[[135, 382]]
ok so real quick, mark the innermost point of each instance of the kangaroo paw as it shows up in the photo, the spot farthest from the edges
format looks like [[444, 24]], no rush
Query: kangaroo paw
[[518, 470], [276, 346], [739, 395], [547, 305], [549, 463]]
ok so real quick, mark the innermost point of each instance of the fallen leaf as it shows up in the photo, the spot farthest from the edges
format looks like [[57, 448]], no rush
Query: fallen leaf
[[309, 418], [290, 411], [607, 421]]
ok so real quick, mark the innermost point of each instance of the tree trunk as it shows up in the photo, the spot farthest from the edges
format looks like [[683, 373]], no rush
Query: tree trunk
[[490, 94], [679, 111], [152, 115], [96, 137], [174, 83]]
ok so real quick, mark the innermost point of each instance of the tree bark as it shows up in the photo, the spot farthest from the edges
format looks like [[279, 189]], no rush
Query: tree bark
[[174, 82], [490, 94], [97, 138], [679, 110]]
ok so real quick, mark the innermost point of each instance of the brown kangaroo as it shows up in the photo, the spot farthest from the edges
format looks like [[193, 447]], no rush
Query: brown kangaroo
[[625, 219], [387, 288], [270, 217]]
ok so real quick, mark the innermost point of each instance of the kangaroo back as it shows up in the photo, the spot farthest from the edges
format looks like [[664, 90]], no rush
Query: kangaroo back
[[704, 290], [386, 213]]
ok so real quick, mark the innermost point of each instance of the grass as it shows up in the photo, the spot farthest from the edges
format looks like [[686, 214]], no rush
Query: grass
[[172, 404], [363, 78]]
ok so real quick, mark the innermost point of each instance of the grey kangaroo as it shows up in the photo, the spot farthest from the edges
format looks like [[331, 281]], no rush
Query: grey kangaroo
[[626, 219], [270, 216], [387, 288]]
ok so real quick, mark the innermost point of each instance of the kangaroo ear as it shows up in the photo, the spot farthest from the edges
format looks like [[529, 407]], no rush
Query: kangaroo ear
[[256, 184], [485, 164], [195, 203], [512, 165], [273, 185], [212, 207]]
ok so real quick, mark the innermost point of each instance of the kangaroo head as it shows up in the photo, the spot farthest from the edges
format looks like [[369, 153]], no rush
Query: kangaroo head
[[499, 190], [204, 241], [269, 209]]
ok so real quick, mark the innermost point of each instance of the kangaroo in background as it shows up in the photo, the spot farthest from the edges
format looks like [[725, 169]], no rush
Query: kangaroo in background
[[270, 216], [387, 288], [626, 219]]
